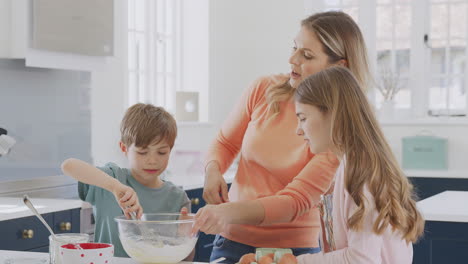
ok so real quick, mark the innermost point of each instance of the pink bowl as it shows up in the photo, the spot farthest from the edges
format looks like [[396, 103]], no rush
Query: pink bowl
[[87, 253]]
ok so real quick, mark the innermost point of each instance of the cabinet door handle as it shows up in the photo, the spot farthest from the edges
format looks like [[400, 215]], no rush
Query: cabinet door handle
[[65, 226], [28, 233], [195, 201]]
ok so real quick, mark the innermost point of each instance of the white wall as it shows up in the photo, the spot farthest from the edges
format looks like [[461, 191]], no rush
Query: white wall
[[195, 51], [248, 39], [47, 112]]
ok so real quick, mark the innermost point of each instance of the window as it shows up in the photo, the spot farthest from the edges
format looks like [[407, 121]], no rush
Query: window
[[447, 41], [393, 45], [153, 52], [419, 45]]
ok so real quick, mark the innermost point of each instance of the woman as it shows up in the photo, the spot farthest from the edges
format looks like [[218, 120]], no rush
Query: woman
[[374, 216], [279, 181]]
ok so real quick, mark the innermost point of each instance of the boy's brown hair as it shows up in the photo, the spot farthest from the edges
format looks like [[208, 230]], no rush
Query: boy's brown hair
[[145, 124]]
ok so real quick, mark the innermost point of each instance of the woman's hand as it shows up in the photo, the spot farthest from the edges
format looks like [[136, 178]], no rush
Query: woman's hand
[[215, 190], [128, 200], [212, 219]]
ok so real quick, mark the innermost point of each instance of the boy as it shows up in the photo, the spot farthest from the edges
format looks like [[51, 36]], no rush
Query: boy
[[147, 137]]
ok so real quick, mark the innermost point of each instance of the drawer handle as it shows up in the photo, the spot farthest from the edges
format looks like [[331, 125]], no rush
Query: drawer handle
[[195, 201], [65, 226], [28, 233]]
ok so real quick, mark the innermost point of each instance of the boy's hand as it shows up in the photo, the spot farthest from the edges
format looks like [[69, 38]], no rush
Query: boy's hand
[[128, 201]]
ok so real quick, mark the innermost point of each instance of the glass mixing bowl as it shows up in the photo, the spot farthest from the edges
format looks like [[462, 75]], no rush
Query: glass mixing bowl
[[158, 238]]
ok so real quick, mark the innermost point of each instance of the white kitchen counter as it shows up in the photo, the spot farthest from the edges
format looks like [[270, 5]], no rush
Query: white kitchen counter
[[13, 207], [448, 206], [44, 257]]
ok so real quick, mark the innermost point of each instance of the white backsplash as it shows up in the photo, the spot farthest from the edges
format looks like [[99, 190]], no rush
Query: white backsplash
[[48, 113]]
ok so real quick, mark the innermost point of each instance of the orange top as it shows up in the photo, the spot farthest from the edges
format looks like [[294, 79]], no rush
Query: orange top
[[276, 167]]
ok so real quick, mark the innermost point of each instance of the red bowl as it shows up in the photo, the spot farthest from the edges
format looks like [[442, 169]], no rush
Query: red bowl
[[85, 253]]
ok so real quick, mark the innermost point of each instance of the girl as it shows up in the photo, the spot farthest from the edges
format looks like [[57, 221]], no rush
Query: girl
[[374, 215]]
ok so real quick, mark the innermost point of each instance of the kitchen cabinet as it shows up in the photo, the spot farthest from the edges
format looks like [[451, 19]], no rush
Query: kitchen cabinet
[[62, 25], [428, 186], [205, 242], [445, 238], [443, 242], [57, 48], [29, 234], [13, 28]]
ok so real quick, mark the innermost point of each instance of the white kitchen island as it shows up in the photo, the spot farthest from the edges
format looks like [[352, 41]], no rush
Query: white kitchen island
[[445, 239], [43, 258], [448, 206]]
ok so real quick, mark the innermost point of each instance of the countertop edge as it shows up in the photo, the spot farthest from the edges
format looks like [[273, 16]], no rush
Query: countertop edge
[[44, 206]]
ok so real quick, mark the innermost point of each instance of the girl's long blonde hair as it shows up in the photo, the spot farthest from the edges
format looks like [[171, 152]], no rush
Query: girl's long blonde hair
[[341, 39], [356, 134]]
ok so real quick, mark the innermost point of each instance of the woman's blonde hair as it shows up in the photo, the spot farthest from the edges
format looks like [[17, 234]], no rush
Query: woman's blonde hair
[[356, 134], [341, 38]]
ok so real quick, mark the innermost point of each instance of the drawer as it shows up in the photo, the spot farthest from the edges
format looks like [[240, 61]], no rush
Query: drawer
[[25, 233], [67, 221], [196, 197]]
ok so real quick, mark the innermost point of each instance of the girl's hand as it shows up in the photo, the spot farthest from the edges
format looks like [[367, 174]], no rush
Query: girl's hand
[[211, 219], [215, 190], [128, 201]]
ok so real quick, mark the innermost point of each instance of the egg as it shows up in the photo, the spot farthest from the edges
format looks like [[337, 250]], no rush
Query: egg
[[288, 258], [267, 259], [247, 258]]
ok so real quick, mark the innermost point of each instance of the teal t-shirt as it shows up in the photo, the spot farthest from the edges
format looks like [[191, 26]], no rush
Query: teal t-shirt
[[166, 199]]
